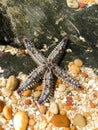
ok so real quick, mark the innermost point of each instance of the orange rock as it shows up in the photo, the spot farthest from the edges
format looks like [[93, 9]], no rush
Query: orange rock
[[1, 106], [27, 92], [39, 88], [7, 111], [60, 120], [66, 107], [27, 102], [74, 69], [42, 109], [92, 105], [83, 74]]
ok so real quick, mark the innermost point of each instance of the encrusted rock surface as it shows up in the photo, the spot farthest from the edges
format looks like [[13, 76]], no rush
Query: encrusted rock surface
[[45, 23]]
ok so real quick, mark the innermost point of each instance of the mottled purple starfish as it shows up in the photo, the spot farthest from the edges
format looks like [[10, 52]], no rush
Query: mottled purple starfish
[[47, 68]]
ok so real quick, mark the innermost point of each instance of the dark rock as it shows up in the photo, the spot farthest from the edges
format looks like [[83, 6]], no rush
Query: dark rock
[[42, 22]]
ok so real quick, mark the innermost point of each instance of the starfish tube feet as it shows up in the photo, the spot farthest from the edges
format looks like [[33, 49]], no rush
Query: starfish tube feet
[[48, 87], [58, 52], [65, 77], [34, 53], [32, 79]]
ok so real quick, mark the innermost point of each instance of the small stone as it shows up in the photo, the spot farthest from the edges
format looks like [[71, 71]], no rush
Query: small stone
[[1, 106], [62, 112], [42, 109], [61, 87], [54, 108], [79, 120], [12, 83], [96, 1], [20, 120], [3, 120], [27, 102], [78, 62], [72, 3], [27, 92], [60, 120], [6, 92], [7, 111], [37, 94], [3, 82], [39, 88], [74, 69], [32, 122]]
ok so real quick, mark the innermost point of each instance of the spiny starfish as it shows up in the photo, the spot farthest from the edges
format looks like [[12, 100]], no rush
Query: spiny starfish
[[47, 69]]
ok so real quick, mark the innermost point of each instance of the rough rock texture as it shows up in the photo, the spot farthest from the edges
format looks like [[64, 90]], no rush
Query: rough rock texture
[[46, 22]]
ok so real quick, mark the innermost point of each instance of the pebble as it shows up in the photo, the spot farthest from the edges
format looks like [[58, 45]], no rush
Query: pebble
[[60, 120], [12, 83], [7, 111], [27, 93], [54, 108], [75, 69], [42, 109], [6, 92], [3, 120], [27, 102], [1, 106], [61, 87], [72, 3], [1, 128], [78, 62], [32, 122], [96, 1], [3, 82], [20, 120], [37, 94], [79, 120]]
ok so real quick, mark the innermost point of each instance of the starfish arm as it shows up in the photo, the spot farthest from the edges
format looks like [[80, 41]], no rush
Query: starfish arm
[[48, 85], [32, 79], [34, 53], [56, 55], [58, 72]]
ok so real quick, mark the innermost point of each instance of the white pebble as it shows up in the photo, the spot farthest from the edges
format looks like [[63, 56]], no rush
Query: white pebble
[[96, 1], [53, 108], [6, 92], [72, 3], [61, 87]]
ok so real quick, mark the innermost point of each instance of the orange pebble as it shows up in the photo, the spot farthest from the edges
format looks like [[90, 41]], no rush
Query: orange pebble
[[83, 74], [27, 102], [66, 107], [92, 105]]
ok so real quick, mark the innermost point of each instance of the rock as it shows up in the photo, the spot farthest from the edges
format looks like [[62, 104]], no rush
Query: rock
[[74, 69], [79, 120], [32, 122], [6, 92], [61, 87], [37, 94], [72, 3], [42, 109], [20, 120], [7, 111], [27, 102], [1, 105], [43, 31], [12, 83], [60, 121], [96, 1], [54, 108], [27, 92], [78, 62]]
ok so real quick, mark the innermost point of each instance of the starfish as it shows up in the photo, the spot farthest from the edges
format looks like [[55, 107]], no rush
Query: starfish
[[46, 70]]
